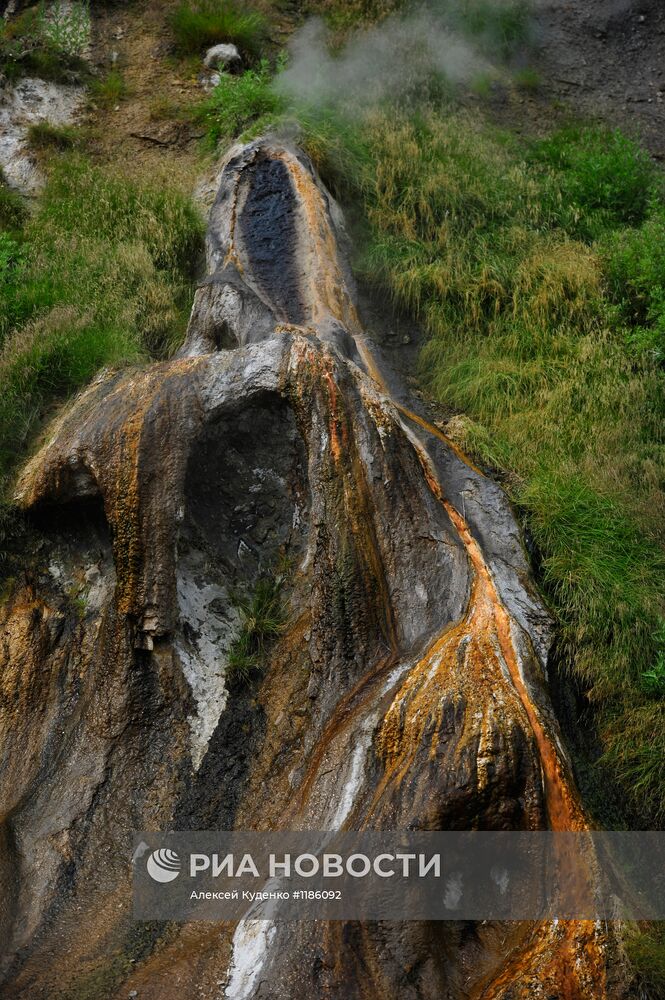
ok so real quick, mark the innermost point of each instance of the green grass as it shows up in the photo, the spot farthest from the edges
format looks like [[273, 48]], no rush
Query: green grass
[[342, 16], [602, 174], [108, 91], [498, 26], [13, 212], [100, 275], [528, 80], [43, 136], [199, 24], [634, 261], [240, 103], [645, 949], [262, 618]]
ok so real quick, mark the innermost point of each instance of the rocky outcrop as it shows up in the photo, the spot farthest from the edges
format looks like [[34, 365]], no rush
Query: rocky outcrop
[[29, 102], [408, 690]]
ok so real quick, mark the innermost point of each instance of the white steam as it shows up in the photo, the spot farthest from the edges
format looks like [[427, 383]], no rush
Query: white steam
[[377, 63]]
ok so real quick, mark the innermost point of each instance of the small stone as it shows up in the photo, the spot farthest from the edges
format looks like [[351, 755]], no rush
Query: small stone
[[313, 687], [222, 57], [209, 80]]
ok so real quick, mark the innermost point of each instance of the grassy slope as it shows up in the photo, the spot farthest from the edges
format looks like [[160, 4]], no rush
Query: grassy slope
[[100, 275]]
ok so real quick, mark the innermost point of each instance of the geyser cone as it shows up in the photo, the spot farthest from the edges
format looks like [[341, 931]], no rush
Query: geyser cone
[[407, 690]]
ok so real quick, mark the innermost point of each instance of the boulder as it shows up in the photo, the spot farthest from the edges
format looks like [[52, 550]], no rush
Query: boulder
[[222, 57]]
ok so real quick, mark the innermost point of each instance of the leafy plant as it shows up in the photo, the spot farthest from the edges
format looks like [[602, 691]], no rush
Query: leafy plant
[[64, 26], [199, 24], [48, 42], [262, 619], [653, 679]]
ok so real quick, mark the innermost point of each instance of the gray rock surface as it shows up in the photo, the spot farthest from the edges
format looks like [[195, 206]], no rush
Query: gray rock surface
[[223, 56], [23, 104]]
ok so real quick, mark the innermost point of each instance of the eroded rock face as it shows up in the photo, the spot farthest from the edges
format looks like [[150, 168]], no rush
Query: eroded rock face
[[26, 103], [408, 690]]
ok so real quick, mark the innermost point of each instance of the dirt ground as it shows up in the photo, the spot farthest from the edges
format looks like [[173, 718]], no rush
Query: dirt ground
[[142, 129], [606, 59], [602, 59]]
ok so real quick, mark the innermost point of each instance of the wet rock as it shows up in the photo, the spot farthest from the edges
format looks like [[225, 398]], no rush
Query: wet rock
[[275, 438]]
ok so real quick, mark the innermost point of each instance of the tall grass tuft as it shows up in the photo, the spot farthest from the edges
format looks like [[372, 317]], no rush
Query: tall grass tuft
[[262, 618], [239, 104], [199, 24]]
